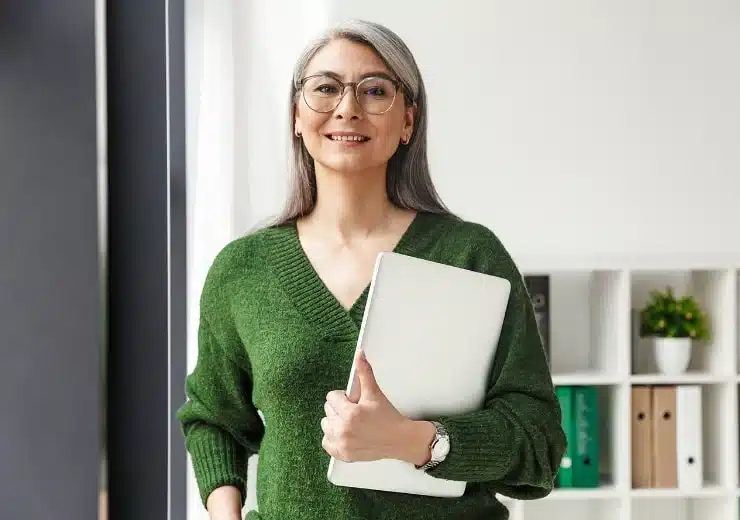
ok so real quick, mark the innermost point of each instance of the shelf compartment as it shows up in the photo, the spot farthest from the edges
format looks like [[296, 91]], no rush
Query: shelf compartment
[[612, 508], [715, 290], [683, 508], [612, 404], [718, 434], [589, 324]]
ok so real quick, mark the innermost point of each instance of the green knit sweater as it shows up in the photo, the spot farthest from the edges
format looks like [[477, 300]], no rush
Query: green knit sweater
[[273, 338]]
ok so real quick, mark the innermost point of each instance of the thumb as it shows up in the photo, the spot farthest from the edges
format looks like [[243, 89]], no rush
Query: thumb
[[368, 384]]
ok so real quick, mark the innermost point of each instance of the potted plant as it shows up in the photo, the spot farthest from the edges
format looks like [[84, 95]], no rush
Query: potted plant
[[673, 323]]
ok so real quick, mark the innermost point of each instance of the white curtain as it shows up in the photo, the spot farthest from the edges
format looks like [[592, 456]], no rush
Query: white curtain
[[210, 162], [239, 59]]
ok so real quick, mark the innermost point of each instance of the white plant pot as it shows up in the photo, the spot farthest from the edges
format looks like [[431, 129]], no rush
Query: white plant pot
[[672, 355]]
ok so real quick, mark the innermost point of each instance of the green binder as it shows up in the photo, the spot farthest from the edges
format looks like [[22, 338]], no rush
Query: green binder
[[565, 472], [586, 434]]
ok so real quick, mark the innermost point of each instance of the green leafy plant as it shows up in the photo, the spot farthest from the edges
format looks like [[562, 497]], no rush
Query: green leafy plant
[[668, 316]]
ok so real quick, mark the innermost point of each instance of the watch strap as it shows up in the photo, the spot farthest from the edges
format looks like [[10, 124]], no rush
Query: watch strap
[[440, 432]]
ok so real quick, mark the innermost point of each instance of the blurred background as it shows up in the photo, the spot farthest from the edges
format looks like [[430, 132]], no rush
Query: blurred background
[[599, 139]]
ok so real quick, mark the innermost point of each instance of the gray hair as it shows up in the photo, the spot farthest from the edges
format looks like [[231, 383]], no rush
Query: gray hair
[[409, 184]]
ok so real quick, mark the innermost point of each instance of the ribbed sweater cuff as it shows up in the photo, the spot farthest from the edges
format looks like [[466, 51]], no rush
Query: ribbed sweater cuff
[[482, 447], [218, 460]]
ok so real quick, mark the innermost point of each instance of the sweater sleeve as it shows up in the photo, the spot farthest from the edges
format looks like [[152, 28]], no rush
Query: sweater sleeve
[[221, 426], [515, 443]]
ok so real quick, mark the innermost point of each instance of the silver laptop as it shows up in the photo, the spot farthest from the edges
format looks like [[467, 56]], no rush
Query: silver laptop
[[430, 332]]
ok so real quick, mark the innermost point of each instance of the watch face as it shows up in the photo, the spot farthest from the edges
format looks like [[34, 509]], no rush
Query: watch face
[[441, 448]]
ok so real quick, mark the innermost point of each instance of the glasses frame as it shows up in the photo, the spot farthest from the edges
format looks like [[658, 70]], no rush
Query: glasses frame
[[354, 84]]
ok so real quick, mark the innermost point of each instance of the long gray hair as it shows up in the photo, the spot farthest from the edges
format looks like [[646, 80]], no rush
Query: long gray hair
[[409, 184]]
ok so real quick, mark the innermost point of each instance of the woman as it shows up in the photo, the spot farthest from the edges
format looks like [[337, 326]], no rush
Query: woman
[[281, 308]]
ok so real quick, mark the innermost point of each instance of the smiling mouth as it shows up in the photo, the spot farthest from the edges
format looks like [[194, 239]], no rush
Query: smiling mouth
[[348, 138]]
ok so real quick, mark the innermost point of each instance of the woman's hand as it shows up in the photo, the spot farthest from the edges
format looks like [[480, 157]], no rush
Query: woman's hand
[[368, 427], [224, 503]]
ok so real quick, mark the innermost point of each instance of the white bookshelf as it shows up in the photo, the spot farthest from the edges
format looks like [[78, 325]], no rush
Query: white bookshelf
[[591, 306]]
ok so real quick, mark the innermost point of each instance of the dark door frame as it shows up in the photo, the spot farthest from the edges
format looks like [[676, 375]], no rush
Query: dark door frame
[[145, 72]]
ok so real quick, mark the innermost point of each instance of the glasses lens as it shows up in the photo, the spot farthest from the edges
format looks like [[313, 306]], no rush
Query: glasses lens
[[322, 93], [376, 95]]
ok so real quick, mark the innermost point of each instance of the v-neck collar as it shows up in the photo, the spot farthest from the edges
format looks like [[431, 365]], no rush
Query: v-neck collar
[[309, 292]]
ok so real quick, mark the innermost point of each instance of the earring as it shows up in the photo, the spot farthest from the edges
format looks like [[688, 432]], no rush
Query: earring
[[405, 140], [297, 133]]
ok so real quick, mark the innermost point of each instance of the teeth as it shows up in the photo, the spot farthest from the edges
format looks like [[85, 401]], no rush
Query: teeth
[[348, 138]]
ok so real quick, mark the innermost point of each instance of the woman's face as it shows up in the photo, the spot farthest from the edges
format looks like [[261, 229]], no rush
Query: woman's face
[[347, 138]]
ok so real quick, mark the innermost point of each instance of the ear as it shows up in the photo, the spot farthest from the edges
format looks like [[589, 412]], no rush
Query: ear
[[297, 127], [408, 121]]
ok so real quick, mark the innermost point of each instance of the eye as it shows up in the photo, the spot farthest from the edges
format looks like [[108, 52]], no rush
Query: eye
[[377, 88], [376, 91], [326, 89]]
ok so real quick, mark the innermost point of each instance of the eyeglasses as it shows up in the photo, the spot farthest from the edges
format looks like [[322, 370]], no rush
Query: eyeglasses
[[323, 93]]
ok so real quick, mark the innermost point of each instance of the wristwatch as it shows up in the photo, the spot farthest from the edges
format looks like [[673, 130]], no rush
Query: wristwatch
[[439, 447]]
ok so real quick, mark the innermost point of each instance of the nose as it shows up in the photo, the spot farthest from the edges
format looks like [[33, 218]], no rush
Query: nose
[[348, 108]]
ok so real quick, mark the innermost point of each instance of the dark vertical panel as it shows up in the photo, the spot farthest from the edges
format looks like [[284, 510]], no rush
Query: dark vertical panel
[[147, 158], [50, 311], [140, 414], [178, 264]]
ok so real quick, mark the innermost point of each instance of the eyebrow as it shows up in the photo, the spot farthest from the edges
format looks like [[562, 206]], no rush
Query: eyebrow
[[374, 74]]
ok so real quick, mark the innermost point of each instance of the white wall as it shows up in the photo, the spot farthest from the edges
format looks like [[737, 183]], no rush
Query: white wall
[[573, 129], [561, 125]]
